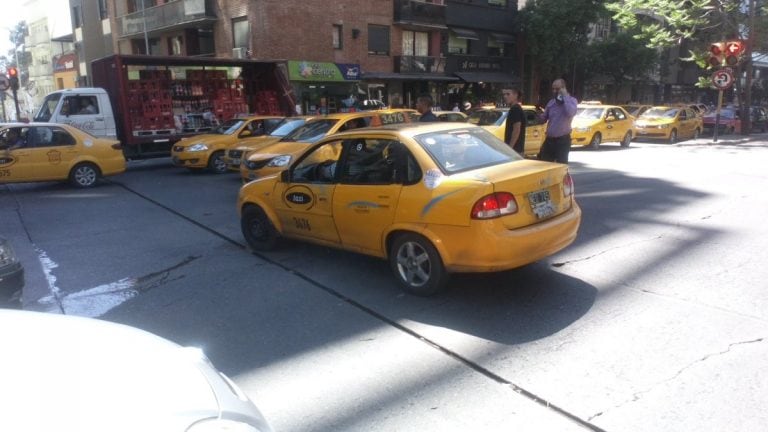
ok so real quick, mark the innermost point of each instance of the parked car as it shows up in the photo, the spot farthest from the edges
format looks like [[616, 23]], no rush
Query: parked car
[[233, 156], [50, 152], [207, 150], [494, 120], [276, 157], [728, 123], [11, 276], [432, 198], [68, 373], [596, 124], [759, 119], [668, 123], [635, 110]]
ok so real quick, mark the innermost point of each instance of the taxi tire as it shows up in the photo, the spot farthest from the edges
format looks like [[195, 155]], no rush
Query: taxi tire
[[406, 250], [626, 140], [216, 163], [594, 144], [84, 175], [259, 232], [673, 136]]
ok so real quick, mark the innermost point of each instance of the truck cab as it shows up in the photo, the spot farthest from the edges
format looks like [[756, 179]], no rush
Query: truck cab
[[85, 108]]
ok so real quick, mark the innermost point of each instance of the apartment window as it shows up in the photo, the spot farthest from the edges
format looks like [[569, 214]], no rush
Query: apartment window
[[378, 39], [103, 11], [337, 39], [76, 23], [457, 45], [415, 43], [240, 32]]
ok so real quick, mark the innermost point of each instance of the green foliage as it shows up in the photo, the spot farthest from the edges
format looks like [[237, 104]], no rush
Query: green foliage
[[622, 57], [556, 32]]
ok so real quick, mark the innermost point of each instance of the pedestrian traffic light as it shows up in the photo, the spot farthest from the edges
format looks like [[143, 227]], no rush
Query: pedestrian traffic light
[[716, 54], [13, 78], [733, 50]]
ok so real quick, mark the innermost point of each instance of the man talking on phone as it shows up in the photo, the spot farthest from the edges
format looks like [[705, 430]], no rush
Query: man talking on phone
[[558, 114]]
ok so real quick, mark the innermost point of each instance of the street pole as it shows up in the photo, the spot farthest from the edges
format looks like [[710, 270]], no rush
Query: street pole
[[16, 102], [717, 114]]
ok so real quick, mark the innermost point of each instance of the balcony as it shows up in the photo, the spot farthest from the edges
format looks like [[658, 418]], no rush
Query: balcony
[[419, 13], [419, 64], [169, 16]]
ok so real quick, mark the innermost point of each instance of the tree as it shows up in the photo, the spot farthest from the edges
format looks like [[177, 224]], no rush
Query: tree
[[665, 23], [556, 33], [623, 58]]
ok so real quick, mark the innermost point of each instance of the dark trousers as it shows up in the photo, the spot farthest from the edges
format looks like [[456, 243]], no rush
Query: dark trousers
[[556, 149]]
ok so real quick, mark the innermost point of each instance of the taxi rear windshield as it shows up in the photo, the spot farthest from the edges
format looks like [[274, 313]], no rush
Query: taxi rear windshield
[[660, 113], [466, 149], [311, 131], [487, 117]]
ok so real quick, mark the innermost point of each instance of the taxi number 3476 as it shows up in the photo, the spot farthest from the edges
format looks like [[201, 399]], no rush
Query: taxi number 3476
[[5, 173]]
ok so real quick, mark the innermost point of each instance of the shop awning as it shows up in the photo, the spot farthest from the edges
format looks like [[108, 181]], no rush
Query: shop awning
[[465, 33], [504, 38], [406, 77], [489, 77]]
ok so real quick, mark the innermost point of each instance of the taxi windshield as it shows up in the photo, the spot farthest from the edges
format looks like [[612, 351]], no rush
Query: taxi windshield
[[466, 149], [287, 126], [229, 127], [311, 131], [487, 117], [47, 108], [589, 113], [660, 113]]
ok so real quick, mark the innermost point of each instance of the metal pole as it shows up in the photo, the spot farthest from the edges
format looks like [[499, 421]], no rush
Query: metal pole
[[717, 115], [16, 102]]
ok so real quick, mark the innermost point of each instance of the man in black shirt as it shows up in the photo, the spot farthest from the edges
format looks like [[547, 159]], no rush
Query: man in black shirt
[[424, 107], [514, 132]]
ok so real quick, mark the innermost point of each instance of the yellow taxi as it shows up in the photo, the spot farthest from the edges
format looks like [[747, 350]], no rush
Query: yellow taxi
[[432, 198], [594, 124], [277, 156], [494, 120], [207, 150], [234, 156], [451, 116], [669, 123], [636, 109], [50, 152]]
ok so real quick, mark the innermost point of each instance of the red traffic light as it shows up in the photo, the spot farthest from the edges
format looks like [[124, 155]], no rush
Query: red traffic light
[[717, 51], [734, 48], [12, 72], [717, 48]]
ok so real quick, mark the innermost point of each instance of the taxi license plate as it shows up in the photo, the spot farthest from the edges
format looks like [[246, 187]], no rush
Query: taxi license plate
[[541, 204]]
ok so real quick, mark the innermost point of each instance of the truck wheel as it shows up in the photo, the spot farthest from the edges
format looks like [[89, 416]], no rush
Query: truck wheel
[[417, 265], [84, 175], [257, 229], [595, 143], [627, 139], [216, 163]]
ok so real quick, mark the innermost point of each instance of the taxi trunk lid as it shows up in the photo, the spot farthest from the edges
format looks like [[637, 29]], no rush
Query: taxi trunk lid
[[540, 190]]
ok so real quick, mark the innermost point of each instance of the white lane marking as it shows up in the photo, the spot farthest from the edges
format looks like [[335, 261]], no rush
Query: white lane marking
[[92, 302]]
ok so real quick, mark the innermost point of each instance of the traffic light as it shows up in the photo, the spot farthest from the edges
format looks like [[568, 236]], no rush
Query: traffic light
[[733, 50], [13, 77], [716, 54]]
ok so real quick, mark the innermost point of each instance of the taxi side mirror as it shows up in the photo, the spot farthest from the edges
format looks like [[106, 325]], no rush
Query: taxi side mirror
[[285, 176], [245, 133]]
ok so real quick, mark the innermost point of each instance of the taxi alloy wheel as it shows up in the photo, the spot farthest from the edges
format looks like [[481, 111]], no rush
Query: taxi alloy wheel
[[595, 143], [258, 230], [84, 175], [216, 163], [417, 265], [627, 139], [673, 136]]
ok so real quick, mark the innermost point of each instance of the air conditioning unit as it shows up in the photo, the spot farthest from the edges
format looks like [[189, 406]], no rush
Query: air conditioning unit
[[239, 53]]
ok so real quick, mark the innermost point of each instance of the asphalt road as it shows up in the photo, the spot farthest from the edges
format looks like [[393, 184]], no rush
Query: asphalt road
[[655, 319]]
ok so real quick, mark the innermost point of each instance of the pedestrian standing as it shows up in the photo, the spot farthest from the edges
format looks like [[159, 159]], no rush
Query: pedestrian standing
[[558, 114], [514, 131], [424, 107]]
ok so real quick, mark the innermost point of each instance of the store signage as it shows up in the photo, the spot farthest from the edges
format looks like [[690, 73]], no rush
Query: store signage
[[323, 71]]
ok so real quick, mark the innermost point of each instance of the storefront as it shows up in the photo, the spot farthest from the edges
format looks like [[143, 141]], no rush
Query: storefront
[[400, 90], [324, 87]]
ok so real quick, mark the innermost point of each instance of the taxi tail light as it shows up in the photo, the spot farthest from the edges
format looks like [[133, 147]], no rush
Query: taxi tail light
[[494, 205], [568, 187]]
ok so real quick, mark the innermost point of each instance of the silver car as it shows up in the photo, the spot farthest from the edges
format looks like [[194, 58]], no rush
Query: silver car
[[66, 373]]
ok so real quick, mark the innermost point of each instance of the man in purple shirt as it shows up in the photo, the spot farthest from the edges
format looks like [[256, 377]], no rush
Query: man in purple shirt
[[558, 114]]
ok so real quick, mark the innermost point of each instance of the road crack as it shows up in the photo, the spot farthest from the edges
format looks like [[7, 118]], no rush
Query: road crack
[[563, 263], [637, 395]]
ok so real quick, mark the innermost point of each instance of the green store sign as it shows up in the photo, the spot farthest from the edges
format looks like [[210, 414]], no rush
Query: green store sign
[[322, 71]]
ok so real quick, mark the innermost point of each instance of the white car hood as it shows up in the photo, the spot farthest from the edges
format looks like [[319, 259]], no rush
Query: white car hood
[[62, 373]]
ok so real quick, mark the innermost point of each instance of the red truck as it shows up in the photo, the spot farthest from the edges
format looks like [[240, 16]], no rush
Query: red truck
[[154, 101]]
